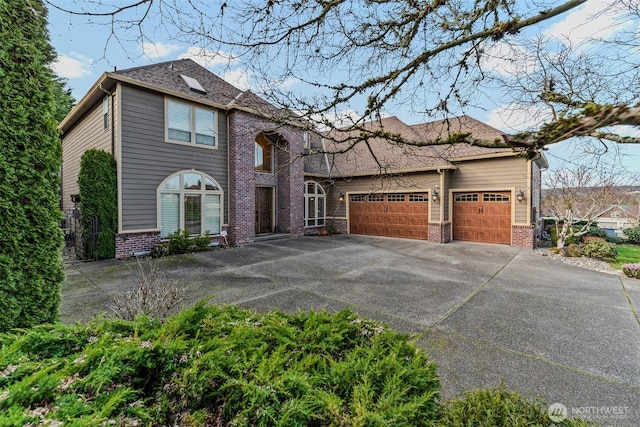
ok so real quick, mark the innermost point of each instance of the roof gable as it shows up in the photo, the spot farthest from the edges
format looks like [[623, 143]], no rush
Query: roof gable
[[442, 129]]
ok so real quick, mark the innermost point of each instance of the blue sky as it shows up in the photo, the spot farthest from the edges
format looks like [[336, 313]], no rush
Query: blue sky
[[86, 48]]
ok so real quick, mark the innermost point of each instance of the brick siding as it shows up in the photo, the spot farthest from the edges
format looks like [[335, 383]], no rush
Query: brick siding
[[289, 182], [439, 232], [128, 244], [523, 236]]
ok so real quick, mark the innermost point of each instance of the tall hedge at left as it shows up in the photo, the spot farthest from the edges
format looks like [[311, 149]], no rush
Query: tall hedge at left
[[31, 268], [97, 181]]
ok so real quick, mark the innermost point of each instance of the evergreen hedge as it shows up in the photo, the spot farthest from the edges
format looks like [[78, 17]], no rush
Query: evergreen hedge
[[217, 365], [31, 269], [98, 198]]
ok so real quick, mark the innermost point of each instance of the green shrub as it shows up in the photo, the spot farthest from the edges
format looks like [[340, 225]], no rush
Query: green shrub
[[596, 231], [99, 199], [631, 270], [614, 239], [498, 407], [633, 235], [574, 250], [604, 251], [212, 365], [160, 251], [201, 243], [179, 242], [31, 268]]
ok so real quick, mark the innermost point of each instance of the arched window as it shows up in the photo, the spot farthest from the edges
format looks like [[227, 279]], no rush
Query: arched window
[[192, 201], [263, 155], [314, 204]]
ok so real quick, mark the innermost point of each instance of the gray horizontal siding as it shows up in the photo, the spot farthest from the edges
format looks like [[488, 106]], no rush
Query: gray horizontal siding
[[147, 159]]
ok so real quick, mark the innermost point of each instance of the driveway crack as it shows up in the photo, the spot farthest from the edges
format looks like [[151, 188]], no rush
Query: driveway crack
[[469, 297], [628, 296]]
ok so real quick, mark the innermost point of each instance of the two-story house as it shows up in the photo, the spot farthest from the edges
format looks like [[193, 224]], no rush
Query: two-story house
[[195, 153]]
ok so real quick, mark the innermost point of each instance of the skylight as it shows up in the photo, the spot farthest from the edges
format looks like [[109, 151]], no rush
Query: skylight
[[193, 84]]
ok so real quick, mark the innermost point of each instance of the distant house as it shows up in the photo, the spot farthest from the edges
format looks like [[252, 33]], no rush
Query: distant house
[[193, 152], [616, 218]]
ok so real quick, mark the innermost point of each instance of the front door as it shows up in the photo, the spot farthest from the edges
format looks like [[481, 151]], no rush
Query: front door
[[264, 210]]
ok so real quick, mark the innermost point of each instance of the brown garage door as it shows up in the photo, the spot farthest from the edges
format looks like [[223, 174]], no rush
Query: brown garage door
[[482, 217], [392, 215]]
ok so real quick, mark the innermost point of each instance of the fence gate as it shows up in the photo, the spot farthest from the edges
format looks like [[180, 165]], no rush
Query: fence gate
[[80, 236]]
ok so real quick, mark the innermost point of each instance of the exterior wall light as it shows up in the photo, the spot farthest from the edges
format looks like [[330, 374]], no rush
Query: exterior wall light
[[341, 198], [434, 194], [520, 196]]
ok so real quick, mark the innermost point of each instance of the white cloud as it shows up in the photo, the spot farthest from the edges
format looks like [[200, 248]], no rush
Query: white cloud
[[72, 66], [513, 118], [238, 78], [157, 50], [595, 19], [507, 59], [208, 58]]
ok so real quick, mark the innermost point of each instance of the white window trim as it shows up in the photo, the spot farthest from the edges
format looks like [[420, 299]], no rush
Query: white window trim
[[182, 191], [193, 124], [318, 194]]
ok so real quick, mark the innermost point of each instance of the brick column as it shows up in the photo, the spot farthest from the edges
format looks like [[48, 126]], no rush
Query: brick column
[[523, 236], [439, 232]]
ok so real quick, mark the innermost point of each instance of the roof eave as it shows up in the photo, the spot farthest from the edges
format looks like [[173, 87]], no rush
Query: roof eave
[[483, 156], [86, 103]]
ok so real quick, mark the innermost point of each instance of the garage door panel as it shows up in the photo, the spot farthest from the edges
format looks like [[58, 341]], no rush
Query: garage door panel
[[482, 217], [404, 215]]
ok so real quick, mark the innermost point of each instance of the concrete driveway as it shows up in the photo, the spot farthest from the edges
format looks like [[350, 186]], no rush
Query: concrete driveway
[[484, 313]]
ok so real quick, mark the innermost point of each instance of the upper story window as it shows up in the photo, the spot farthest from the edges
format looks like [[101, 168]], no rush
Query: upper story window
[[189, 124], [263, 154]]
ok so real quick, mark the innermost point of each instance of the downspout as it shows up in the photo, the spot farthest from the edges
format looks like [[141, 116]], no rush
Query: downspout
[[113, 118], [226, 113]]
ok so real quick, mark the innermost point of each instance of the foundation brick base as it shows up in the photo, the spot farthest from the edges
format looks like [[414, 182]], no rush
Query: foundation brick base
[[128, 244], [439, 232], [523, 236]]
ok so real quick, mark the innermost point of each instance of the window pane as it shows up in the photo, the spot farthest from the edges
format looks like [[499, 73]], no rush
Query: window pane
[[192, 181], [311, 188], [169, 213], [311, 211], [210, 185], [205, 127], [172, 184], [320, 210], [212, 214], [262, 154], [192, 214], [179, 121]]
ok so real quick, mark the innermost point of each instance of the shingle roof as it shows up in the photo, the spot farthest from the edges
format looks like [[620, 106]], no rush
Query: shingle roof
[[381, 155], [378, 154], [167, 75], [440, 129]]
